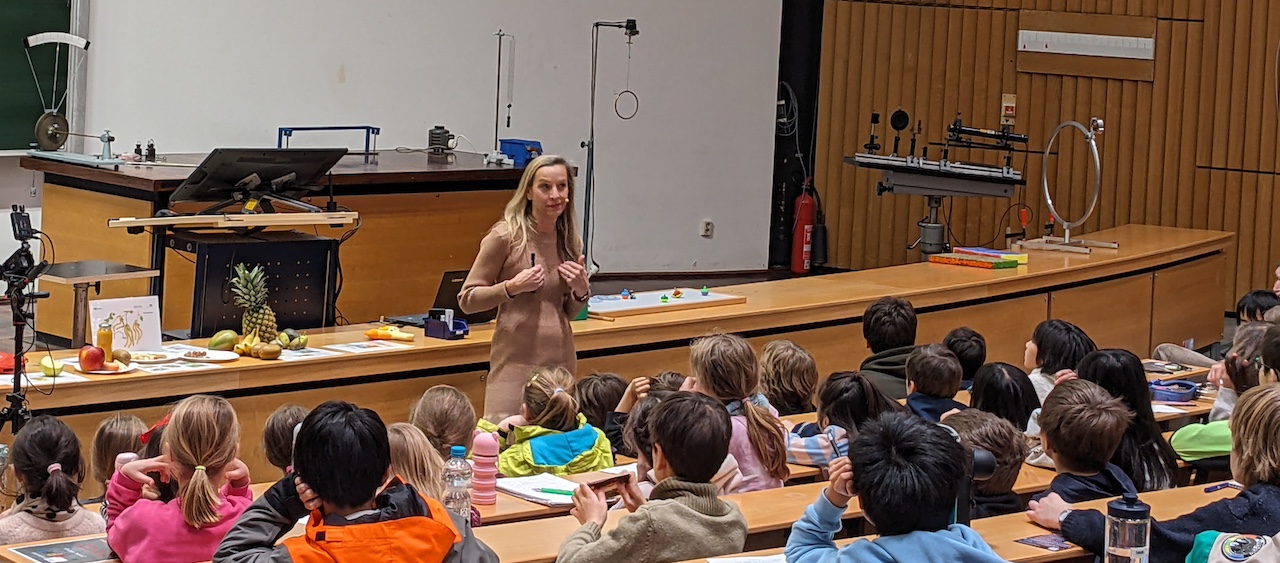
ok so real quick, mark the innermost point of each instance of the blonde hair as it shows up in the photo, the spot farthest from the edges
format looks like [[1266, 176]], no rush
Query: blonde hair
[[519, 218], [1254, 426], [788, 376], [203, 437], [725, 366], [116, 434], [446, 417], [415, 460], [549, 397]]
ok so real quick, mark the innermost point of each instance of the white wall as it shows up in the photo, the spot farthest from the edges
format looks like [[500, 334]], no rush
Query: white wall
[[195, 75]]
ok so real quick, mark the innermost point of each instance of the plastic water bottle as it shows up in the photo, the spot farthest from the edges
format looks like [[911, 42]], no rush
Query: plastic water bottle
[[1128, 532], [457, 482]]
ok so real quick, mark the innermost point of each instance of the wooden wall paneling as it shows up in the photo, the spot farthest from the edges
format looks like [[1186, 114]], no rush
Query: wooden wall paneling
[[861, 92], [1245, 232], [1263, 264], [1222, 91], [1176, 319], [828, 63], [1232, 211], [1186, 44], [1256, 75], [887, 96], [1190, 155], [1005, 326], [1235, 125], [1163, 203], [1128, 300], [1267, 156], [1208, 85]]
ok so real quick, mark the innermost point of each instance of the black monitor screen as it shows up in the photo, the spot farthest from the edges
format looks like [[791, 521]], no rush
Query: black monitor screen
[[225, 171]]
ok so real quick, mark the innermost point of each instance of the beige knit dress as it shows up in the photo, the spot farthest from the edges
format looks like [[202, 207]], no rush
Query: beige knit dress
[[532, 329]]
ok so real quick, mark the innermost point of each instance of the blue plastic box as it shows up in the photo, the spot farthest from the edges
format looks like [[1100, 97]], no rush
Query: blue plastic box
[[520, 150]]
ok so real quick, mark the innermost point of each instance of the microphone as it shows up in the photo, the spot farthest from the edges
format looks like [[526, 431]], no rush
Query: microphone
[[631, 29]]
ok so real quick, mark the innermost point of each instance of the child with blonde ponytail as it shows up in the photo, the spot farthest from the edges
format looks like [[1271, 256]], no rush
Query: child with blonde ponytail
[[201, 445], [550, 435], [724, 368]]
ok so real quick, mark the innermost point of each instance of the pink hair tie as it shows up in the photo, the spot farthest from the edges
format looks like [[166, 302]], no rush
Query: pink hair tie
[[54, 467]]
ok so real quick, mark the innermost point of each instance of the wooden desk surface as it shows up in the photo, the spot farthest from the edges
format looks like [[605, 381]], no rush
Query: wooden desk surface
[[390, 167], [796, 302], [1001, 532]]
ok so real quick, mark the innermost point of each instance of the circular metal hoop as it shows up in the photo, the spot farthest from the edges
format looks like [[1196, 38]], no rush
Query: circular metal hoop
[[1090, 135], [618, 98], [51, 131]]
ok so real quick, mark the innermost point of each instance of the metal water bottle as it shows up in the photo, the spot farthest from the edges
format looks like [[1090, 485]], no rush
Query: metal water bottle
[[1128, 538]]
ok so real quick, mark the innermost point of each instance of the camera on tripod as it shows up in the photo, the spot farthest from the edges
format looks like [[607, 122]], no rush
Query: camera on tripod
[[20, 270]]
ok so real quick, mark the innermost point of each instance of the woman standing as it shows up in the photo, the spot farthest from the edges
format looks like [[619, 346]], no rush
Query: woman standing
[[530, 267]]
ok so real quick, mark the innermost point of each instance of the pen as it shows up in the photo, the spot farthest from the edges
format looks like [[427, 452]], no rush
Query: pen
[[533, 259], [554, 491], [1220, 486]]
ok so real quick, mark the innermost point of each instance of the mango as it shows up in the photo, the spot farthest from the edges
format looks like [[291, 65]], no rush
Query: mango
[[224, 340]]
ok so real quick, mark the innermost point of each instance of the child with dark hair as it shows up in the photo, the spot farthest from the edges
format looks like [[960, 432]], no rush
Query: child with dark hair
[[889, 327], [638, 437], [1056, 345], [788, 377], [846, 401], [1005, 391], [277, 435], [683, 517], [342, 458], [667, 381], [1082, 425], [615, 421], [905, 473], [978, 429], [1144, 454], [49, 470], [933, 379], [970, 348], [597, 395]]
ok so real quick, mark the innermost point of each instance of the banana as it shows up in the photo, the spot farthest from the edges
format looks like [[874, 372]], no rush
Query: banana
[[300, 342]]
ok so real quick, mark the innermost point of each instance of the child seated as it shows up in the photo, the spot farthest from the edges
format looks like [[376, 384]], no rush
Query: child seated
[[1055, 345], [970, 348], [277, 435], [615, 421], [1255, 510], [447, 418], [201, 442], [117, 434], [933, 379], [987, 431], [1081, 427], [846, 401], [341, 460], [46, 462], [415, 461], [788, 377], [724, 368], [905, 473], [550, 435], [683, 517], [889, 327], [597, 395], [1005, 391], [639, 439], [1195, 442], [1252, 307]]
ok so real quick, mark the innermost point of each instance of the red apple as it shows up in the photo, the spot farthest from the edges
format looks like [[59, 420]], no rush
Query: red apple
[[92, 358]]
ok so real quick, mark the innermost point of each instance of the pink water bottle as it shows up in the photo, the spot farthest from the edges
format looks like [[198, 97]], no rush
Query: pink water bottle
[[484, 451]]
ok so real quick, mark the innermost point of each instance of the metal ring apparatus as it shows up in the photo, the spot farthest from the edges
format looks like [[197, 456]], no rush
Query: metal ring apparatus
[[618, 98], [1090, 134]]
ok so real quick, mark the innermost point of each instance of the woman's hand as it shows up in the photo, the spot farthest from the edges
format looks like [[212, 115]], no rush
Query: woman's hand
[[636, 390], [589, 505], [574, 275], [1047, 510], [137, 470], [529, 279], [840, 489]]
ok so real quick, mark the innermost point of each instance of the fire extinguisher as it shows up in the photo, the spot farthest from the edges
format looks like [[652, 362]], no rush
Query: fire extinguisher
[[802, 231]]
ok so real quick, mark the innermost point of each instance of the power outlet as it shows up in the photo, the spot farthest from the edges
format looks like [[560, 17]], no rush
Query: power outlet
[[707, 228]]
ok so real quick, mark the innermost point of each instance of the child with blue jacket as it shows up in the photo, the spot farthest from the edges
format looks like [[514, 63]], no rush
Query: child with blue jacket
[[903, 470], [550, 435]]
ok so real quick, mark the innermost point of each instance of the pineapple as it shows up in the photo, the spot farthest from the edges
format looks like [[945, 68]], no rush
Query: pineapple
[[250, 290]]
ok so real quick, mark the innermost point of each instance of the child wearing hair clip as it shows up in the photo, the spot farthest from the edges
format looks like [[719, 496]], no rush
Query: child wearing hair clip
[[550, 435]]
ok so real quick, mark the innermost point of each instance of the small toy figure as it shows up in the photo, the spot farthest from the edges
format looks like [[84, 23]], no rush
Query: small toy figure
[[677, 293], [705, 291], [626, 294], [664, 298]]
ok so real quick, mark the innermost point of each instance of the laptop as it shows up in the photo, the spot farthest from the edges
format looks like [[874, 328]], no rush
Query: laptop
[[447, 298]]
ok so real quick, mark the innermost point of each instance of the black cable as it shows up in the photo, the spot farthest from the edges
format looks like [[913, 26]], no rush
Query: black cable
[[999, 223], [53, 252]]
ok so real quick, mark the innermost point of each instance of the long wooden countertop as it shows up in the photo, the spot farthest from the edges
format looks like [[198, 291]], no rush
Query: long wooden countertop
[[771, 306], [390, 167]]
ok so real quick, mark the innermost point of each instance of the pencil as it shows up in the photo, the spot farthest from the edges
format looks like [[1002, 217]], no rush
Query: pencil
[[599, 317]]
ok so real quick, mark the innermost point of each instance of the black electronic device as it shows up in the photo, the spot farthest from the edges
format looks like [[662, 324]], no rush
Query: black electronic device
[[872, 146], [22, 229], [982, 468], [255, 178], [447, 298]]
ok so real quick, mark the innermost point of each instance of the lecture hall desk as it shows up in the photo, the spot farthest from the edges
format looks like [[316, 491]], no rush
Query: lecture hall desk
[[422, 216], [821, 313]]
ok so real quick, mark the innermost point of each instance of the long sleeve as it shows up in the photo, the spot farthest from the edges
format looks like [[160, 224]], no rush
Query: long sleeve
[[614, 423], [254, 537], [621, 545], [811, 536], [122, 493], [483, 291], [573, 306], [815, 451]]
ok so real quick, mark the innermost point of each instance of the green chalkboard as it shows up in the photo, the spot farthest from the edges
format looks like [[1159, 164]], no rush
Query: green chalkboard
[[20, 103]]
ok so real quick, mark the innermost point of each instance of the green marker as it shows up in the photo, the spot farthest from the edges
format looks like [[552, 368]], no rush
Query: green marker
[[555, 491]]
